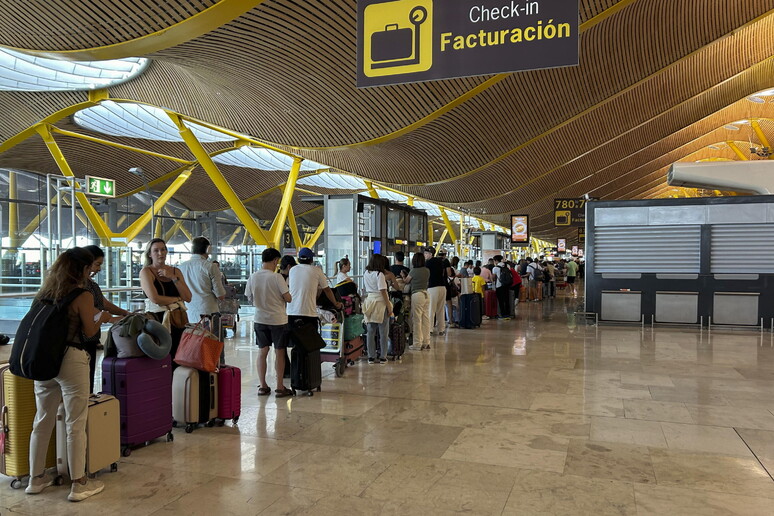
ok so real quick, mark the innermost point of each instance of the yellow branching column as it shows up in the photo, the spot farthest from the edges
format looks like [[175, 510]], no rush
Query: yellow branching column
[[278, 226], [244, 216]]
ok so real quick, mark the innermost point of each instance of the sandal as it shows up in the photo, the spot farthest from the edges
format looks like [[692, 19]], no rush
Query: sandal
[[283, 393], [264, 391]]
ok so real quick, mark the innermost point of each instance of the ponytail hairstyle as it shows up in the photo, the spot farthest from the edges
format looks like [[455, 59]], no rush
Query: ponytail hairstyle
[[341, 263]]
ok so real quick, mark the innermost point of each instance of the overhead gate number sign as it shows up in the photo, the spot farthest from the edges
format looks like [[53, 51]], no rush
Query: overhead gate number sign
[[403, 41], [569, 212]]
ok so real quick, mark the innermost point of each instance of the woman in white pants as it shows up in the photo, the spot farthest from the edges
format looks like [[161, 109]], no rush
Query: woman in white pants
[[420, 302], [71, 386]]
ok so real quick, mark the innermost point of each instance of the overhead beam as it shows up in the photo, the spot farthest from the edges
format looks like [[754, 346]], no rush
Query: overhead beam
[[192, 27], [109, 143]]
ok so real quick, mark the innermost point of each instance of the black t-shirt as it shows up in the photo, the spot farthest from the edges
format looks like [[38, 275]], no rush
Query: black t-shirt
[[436, 272], [397, 269]]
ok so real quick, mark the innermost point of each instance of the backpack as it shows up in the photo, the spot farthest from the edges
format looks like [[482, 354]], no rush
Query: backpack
[[506, 277], [535, 273], [41, 340]]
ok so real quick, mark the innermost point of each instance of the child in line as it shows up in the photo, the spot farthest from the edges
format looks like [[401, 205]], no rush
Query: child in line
[[479, 283]]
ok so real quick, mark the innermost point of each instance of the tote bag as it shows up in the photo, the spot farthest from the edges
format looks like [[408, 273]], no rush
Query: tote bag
[[199, 349]]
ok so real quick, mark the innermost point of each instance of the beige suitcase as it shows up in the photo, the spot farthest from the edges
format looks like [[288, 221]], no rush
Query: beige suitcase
[[17, 406], [103, 435]]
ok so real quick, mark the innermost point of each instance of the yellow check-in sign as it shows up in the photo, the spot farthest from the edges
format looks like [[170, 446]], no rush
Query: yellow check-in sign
[[398, 37]]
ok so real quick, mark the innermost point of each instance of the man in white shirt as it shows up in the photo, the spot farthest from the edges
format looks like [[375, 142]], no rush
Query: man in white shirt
[[205, 281], [268, 292], [305, 281]]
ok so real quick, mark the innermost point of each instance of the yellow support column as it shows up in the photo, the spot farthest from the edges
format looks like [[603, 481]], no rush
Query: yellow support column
[[96, 221], [410, 200], [234, 235], [287, 197], [294, 229], [756, 126], [741, 155], [316, 235], [220, 182], [371, 190], [440, 240], [143, 220], [450, 229]]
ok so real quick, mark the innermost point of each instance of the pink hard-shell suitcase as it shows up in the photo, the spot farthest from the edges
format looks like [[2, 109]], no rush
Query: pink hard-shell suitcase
[[229, 393]]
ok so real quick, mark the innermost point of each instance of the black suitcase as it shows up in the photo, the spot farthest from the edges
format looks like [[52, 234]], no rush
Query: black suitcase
[[398, 337], [305, 360], [470, 311], [305, 370]]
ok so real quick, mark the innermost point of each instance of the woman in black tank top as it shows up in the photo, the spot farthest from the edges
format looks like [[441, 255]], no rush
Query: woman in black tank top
[[163, 284]]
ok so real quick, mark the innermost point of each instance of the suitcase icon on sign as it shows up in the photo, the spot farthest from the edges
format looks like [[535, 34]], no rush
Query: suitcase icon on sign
[[396, 46]]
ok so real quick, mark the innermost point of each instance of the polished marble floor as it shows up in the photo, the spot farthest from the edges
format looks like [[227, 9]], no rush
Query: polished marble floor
[[538, 415]]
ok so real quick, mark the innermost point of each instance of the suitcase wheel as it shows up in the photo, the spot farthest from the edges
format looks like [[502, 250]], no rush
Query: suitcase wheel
[[170, 437], [59, 480], [174, 424], [339, 368], [235, 420], [125, 452], [189, 428], [210, 423], [221, 422], [114, 467], [16, 483], [319, 389]]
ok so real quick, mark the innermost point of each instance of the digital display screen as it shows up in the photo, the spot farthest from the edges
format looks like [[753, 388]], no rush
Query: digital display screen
[[562, 245], [519, 229]]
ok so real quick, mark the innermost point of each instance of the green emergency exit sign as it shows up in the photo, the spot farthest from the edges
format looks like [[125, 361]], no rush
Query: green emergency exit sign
[[100, 186]]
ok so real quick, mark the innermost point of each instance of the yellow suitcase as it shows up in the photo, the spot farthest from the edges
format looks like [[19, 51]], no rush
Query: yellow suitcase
[[17, 402]]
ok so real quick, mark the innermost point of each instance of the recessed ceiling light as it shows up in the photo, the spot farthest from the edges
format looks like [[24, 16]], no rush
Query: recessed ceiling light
[[713, 147], [731, 127], [757, 100]]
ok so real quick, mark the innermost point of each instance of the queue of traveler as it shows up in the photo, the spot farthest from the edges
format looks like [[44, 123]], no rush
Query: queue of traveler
[[283, 292]]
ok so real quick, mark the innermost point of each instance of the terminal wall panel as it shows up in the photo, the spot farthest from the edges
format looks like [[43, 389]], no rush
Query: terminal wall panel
[[736, 308], [621, 306], [677, 307], [621, 216], [737, 214], [726, 248]]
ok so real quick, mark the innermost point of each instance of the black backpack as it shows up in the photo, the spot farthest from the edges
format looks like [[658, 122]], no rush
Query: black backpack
[[41, 340], [506, 276]]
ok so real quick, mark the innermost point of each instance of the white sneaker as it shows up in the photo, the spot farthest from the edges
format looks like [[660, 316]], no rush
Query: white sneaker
[[38, 484], [80, 491]]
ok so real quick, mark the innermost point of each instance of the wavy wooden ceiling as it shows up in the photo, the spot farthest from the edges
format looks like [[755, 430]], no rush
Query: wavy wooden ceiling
[[656, 82]]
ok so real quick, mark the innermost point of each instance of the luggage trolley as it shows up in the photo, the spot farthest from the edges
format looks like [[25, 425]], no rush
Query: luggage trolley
[[338, 351], [229, 310]]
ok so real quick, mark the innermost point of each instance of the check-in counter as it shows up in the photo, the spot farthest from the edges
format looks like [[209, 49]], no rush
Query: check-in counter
[[677, 307], [736, 308], [621, 305]]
